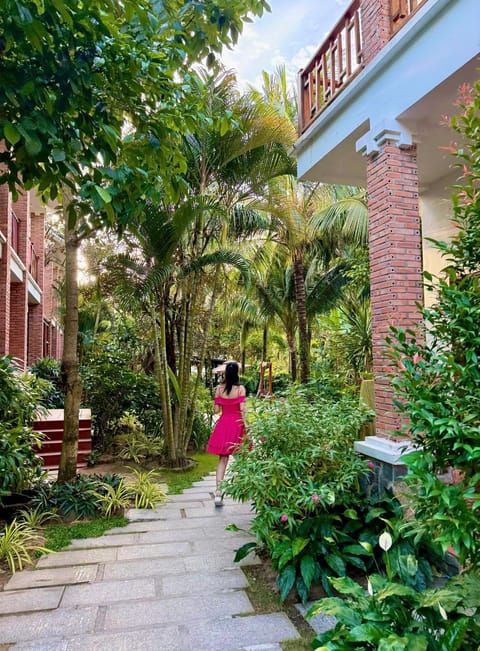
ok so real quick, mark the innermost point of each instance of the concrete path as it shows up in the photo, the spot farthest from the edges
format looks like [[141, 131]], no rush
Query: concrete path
[[165, 582]]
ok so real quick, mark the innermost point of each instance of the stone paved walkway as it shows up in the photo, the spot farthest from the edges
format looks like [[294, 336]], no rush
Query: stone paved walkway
[[165, 582]]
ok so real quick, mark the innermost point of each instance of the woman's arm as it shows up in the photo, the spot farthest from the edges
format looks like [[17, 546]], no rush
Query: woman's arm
[[217, 408], [243, 406]]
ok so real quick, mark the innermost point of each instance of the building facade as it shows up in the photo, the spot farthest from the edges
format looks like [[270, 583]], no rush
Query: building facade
[[29, 276], [373, 102]]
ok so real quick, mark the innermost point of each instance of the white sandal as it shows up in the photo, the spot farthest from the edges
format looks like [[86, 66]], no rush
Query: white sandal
[[218, 500]]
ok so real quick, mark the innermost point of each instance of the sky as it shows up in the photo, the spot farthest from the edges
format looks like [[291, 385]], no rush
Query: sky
[[290, 34]]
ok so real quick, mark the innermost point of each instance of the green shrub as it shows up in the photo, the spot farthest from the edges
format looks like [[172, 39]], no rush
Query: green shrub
[[48, 369], [111, 388], [302, 476], [20, 398]]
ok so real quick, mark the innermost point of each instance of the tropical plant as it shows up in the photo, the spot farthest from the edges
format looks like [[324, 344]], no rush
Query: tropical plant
[[146, 493], [48, 368], [112, 500], [302, 477], [36, 518], [101, 66], [71, 499], [21, 395], [18, 544], [172, 270]]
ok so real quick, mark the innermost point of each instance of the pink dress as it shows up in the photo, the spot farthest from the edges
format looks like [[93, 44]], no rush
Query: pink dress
[[229, 429]]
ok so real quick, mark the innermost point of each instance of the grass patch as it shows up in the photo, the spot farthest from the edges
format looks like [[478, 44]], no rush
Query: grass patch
[[265, 599], [178, 480], [59, 536]]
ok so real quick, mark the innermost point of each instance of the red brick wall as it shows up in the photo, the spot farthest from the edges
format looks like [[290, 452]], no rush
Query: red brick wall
[[19, 291], [395, 261], [5, 203], [35, 316], [376, 27]]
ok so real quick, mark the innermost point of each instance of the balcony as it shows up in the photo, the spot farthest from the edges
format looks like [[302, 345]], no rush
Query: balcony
[[340, 58], [34, 261]]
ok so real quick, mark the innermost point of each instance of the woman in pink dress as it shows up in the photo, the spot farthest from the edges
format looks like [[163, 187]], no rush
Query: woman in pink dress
[[230, 428]]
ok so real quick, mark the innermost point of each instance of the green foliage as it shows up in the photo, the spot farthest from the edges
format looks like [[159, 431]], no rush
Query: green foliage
[[302, 476], [58, 536], [203, 420], [113, 499], [20, 398], [72, 498], [146, 492], [111, 388], [438, 379], [18, 544], [48, 368], [131, 441], [392, 616], [36, 518]]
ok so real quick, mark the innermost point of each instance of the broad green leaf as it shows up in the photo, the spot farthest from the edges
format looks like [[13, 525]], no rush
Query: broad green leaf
[[243, 551], [11, 133], [366, 633], [307, 569], [298, 545], [285, 581], [105, 195], [337, 563]]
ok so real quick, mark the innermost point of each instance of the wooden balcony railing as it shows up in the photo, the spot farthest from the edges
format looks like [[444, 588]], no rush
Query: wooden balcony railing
[[336, 62], [401, 10], [340, 58], [15, 232], [33, 267]]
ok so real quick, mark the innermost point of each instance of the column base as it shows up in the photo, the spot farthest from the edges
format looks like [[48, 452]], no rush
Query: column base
[[386, 457]]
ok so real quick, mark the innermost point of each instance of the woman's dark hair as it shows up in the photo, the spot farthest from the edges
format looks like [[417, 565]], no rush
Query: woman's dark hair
[[231, 376]]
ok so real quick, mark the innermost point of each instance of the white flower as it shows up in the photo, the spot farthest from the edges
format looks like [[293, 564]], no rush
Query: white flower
[[385, 541], [369, 588], [442, 611]]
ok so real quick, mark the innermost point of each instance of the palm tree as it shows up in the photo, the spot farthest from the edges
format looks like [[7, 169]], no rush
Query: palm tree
[[184, 244]]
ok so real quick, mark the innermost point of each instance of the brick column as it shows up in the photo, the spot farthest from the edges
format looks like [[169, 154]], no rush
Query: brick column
[[35, 317], [5, 227], [376, 27], [19, 290], [395, 260]]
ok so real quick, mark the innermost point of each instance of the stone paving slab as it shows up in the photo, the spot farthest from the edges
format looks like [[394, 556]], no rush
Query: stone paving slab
[[70, 621], [158, 550], [220, 561], [19, 601], [51, 577], [234, 633], [176, 610], [165, 582], [139, 568], [107, 592], [105, 541], [201, 583], [321, 622], [77, 557]]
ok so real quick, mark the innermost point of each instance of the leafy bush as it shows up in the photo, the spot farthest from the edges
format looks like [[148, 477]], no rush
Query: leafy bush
[[131, 441], [20, 398], [73, 498], [203, 420], [302, 476], [48, 369], [112, 388]]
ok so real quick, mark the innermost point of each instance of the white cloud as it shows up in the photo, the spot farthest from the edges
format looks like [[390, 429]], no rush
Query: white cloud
[[289, 35]]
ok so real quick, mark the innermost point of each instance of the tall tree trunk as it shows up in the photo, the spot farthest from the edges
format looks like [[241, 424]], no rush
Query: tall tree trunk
[[71, 380], [265, 344], [301, 305], [203, 350], [292, 355], [161, 372]]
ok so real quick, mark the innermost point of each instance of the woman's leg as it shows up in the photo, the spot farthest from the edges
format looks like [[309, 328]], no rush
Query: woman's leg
[[221, 468]]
